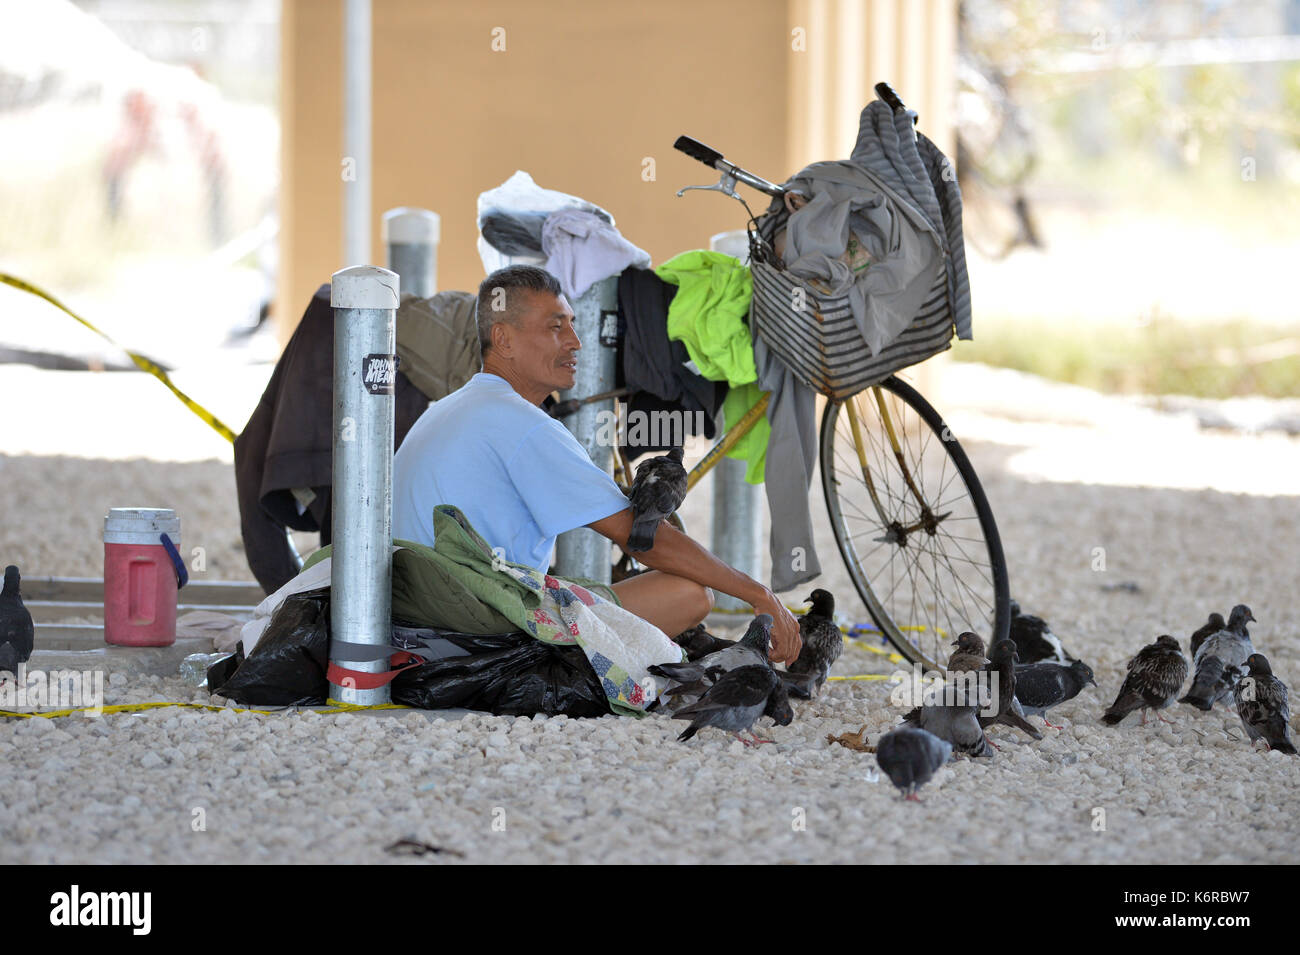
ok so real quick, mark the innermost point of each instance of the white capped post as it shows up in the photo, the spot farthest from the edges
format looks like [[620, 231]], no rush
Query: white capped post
[[737, 509], [411, 237], [364, 298]]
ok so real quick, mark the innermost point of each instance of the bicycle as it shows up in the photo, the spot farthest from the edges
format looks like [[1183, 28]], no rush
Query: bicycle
[[886, 478]]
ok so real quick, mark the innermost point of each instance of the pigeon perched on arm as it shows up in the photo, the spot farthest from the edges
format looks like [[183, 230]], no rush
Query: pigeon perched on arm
[[910, 757], [657, 491], [1262, 704], [969, 655], [1002, 664], [1155, 675], [1034, 639], [1211, 626], [1041, 686], [822, 640], [1220, 661], [735, 701], [17, 635]]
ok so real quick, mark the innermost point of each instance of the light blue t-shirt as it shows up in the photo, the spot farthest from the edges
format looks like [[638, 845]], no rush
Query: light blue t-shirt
[[515, 472]]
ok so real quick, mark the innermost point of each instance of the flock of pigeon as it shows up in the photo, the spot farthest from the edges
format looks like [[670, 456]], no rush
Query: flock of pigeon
[[729, 686]]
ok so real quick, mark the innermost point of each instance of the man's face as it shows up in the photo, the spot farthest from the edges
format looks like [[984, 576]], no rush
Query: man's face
[[544, 346]]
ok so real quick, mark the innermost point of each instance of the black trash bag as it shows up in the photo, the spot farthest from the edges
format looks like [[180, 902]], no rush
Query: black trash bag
[[223, 669], [288, 664], [509, 674]]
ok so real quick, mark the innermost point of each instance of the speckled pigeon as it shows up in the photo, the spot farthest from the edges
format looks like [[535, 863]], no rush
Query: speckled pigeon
[[910, 757], [1263, 706], [17, 635], [822, 640], [969, 655], [1041, 686], [735, 701], [1155, 675], [1034, 639], [1220, 661], [657, 491]]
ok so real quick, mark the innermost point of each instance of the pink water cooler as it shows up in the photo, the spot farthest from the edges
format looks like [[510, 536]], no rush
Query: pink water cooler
[[142, 572]]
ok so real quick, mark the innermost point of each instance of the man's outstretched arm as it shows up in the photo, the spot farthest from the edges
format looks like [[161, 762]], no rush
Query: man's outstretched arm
[[676, 553]]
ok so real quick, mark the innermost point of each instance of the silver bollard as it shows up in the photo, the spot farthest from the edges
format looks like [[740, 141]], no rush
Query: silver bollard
[[737, 505], [583, 552], [364, 298], [411, 237]]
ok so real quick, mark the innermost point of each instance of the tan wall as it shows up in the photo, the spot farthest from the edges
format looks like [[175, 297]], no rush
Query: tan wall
[[584, 92]]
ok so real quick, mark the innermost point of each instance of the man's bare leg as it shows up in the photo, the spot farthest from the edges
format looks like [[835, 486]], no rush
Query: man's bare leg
[[673, 604]]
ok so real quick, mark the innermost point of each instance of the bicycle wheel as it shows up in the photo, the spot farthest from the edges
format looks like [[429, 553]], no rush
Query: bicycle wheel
[[912, 522]]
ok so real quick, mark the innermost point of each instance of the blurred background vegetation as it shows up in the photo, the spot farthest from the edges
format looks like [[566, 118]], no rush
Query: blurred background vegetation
[[1131, 174]]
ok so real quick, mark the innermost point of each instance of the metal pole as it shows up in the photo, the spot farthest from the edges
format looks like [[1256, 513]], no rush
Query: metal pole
[[411, 236], [356, 132], [583, 552], [737, 508], [365, 369]]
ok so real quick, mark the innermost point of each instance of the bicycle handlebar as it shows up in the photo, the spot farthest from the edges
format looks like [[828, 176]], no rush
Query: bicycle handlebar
[[713, 159]]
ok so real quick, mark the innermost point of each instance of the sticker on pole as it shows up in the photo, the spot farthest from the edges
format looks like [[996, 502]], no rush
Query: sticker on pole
[[380, 373]]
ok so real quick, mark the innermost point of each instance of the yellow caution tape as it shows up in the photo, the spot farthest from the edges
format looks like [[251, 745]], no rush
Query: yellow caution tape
[[334, 707], [143, 363]]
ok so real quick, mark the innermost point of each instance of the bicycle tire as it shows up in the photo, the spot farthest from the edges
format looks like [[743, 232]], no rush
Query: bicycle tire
[[931, 645]]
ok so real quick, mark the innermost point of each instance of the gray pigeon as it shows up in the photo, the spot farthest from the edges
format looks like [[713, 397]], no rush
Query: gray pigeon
[[1034, 639], [969, 655], [688, 681], [17, 635], [822, 640], [1041, 686], [735, 701], [1262, 704], [1002, 663], [957, 724], [1155, 675], [1220, 661], [1211, 626], [910, 757], [656, 493]]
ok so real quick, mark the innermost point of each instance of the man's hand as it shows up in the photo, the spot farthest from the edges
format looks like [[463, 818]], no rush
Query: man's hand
[[786, 641]]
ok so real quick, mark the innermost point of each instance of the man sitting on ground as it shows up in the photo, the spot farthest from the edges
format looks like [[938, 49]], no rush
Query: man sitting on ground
[[521, 478]]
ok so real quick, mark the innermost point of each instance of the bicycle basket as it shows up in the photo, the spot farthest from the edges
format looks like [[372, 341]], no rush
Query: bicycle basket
[[821, 342]]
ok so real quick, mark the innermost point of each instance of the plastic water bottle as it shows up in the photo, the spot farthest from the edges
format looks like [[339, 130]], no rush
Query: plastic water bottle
[[194, 668]]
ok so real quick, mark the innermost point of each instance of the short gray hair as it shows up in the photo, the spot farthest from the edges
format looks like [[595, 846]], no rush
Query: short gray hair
[[499, 299]]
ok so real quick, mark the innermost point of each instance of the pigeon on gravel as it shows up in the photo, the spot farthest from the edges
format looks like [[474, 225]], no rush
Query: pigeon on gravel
[[1041, 686], [17, 636], [1262, 704], [1034, 639], [969, 655], [1211, 626], [1155, 675], [910, 757], [957, 724], [689, 681], [656, 493], [698, 642], [1002, 664], [822, 640], [1220, 661], [735, 700]]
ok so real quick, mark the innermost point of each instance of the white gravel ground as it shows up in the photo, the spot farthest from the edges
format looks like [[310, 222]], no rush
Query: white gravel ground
[[303, 787]]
